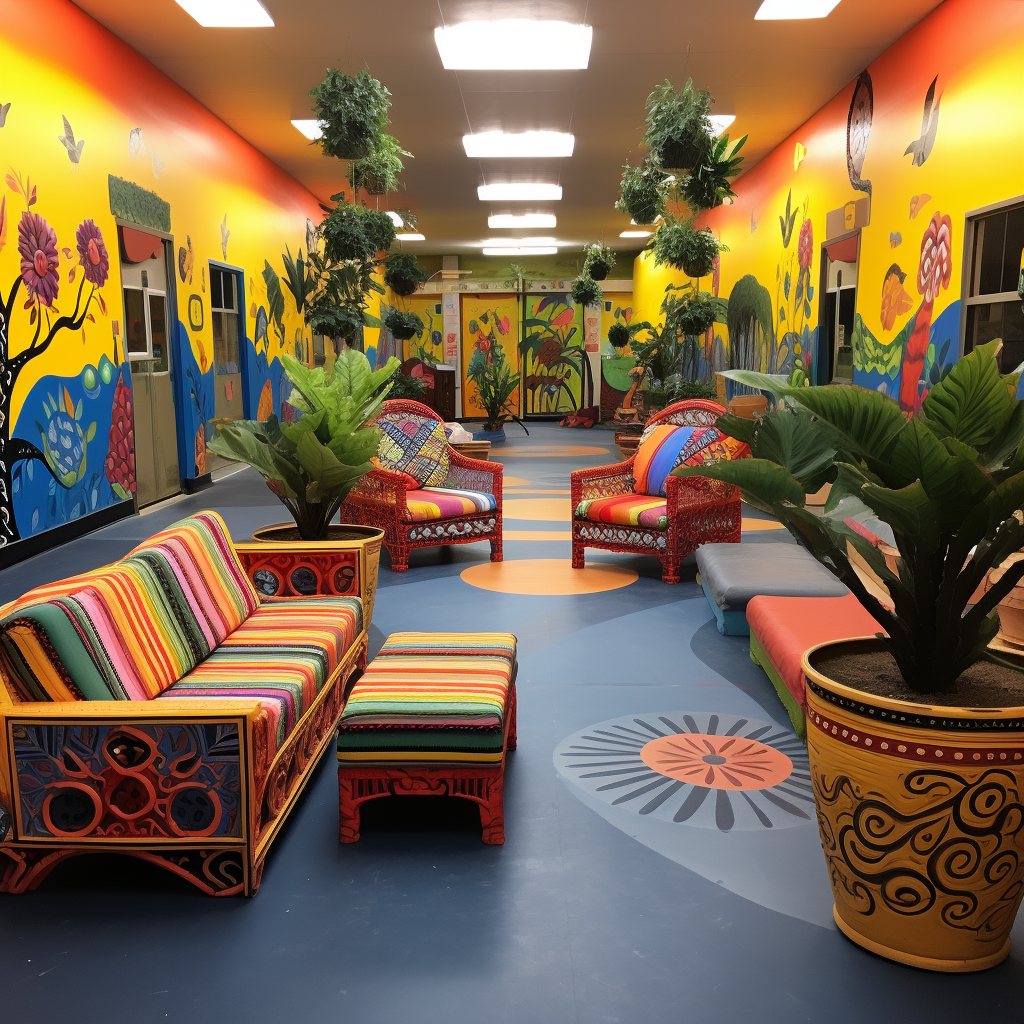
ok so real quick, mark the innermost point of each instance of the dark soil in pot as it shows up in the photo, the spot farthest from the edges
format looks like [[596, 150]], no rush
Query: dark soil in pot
[[983, 685], [334, 532]]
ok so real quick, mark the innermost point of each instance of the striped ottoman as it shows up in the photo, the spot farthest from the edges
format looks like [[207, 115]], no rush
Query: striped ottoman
[[433, 715]]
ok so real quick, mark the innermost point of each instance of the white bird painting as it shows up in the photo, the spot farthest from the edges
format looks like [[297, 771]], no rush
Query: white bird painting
[[68, 139], [224, 236], [136, 145]]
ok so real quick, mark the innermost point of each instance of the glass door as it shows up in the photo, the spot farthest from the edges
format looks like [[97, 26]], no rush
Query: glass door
[[227, 369], [839, 307]]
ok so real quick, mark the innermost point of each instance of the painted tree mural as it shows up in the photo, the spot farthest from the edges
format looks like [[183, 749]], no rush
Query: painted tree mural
[[40, 278]]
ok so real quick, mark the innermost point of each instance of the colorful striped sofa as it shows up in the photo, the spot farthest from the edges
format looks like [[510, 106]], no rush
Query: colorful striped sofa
[[423, 492], [160, 707]]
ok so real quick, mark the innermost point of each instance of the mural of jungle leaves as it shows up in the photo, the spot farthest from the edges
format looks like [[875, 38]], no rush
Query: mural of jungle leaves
[[871, 354], [921, 148], [555, 368], [787, 221], [858, 130]]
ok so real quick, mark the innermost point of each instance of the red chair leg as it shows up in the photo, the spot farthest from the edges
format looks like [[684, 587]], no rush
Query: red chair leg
[[492, 813], [578, 557], [496, 550], [670, 568]]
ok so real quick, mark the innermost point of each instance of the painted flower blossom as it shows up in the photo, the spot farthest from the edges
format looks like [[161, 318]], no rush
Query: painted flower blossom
[[503, 325], [93, 253], [805, 247], [37, 244], [549, 352], [936, 266]]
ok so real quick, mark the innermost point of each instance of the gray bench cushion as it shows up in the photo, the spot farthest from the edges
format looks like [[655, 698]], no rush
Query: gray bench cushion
[[734, 573]]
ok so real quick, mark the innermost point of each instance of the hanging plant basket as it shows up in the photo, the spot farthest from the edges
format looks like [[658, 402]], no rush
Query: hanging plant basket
[[598, 260], [696, 315], [679, 131], [586, 291], [642, 194], [355, 233], [378, 172], [402, 273], [618, 335], [681, 246], [352, 111], [333, 321], [402, 325]]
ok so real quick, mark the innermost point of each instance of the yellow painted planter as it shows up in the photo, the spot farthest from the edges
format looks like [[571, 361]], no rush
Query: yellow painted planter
[[921, 816]]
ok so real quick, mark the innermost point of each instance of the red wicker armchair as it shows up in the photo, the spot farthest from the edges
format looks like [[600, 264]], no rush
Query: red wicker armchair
[[380, 499], [698, 510]]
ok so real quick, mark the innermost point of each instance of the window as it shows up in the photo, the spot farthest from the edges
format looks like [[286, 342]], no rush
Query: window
[[224, 314], [993, 307]]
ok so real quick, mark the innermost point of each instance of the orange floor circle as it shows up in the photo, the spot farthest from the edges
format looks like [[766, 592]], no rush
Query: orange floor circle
[[551, 510], [548, 451], [514, 481], [546, 576], [717, 762]]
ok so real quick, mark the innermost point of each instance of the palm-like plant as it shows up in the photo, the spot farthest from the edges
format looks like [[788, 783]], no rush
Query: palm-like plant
[[496, 384], [949, 483], [709, 184], [313, 463]]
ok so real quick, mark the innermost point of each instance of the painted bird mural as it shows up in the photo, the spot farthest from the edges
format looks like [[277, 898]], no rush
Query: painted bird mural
[[922, 147], [68, 139]]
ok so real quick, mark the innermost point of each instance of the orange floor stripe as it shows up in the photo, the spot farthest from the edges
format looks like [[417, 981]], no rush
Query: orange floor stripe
[[537, 534], [762, 524], [536, 509], [517, 490], [549, 452], [546, 577]]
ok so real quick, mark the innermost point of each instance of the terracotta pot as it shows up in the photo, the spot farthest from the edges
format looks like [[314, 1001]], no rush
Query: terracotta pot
[[366, 540], [1011, 608], [748, 406], [921, 817]]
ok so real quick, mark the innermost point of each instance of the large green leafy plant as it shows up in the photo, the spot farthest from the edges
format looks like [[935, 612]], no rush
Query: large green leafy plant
[[949, 483], [312, 463], [496, 383], [352, 111]]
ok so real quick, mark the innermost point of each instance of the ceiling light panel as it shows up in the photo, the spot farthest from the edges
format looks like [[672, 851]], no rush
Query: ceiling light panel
[[634, 234], [518, 144], [785, 10], [311, 129], [505, 243], [411, 236], [525, 220], [517, 44], [522, 250], [511, 191], [396, 218], [721, 121], [228, 13]]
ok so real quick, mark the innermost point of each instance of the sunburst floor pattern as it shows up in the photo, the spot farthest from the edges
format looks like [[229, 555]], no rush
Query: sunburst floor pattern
[[715, 771]]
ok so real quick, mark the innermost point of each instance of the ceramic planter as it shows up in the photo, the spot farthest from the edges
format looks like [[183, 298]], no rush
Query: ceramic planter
[[921, 817], [326, 567], [748, 406]]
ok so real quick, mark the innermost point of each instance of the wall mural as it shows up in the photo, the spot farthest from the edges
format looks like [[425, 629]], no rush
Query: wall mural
[[92, 138], [556, 371], [928, 133], [490, 334]]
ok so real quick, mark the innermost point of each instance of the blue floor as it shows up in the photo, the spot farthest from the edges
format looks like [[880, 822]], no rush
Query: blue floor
[[590, 913]]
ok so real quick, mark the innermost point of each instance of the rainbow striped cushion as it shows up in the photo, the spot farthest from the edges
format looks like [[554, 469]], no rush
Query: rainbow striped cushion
[[129, 630], [445, 502], [625, 510], [282, 655], [431, 697]]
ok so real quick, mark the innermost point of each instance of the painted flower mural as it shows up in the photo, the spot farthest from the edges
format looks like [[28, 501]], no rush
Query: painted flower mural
[[37, 245], [120, 463], [92, 253], [64, 440], [805, 246], [895, 299], [487, 329], [554, 362]]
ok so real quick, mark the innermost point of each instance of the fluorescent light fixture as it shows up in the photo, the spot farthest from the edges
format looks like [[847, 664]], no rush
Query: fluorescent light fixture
[[512, 243], [311, 129], [411, 236], [785, 10], [228, 13], [721, 121], [522, 250], [634, 234], [511, 191], [496, 144], [396, 218], [634, 223], [525, 220], [516, 44]]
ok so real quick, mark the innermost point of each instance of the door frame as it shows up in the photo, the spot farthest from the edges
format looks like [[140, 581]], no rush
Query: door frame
[[243, 337], [822, 373]]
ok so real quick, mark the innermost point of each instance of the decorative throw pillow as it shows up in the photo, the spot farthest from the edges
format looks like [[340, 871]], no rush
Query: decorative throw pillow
[[416, 447], [410, 481], [665, 447]]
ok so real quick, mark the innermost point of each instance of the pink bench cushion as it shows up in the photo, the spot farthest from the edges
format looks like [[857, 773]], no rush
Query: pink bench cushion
[[788, 626]]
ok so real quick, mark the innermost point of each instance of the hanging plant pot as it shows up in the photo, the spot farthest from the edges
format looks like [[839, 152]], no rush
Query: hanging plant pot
[[642, 194], [352, 111], [599, 270], [914, 803], [680, 245], [402, 273], [402, 325]]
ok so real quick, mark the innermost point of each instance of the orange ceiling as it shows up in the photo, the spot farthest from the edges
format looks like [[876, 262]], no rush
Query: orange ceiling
[[772, 75]]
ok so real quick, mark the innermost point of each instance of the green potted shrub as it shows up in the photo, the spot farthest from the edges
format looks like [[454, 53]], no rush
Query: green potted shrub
[[643, 192], [377, 172], [402, 273], [353, 232], [697, 312], [679, 244], [709, 183], [352, 111], [402, 325], [585, 290], [916, 735], [404, 385], [679, 132], [496, 383], [598, 260]]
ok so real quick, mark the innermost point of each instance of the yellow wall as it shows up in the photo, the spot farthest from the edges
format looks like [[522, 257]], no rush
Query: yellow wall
[[228, 203], [974, 50]]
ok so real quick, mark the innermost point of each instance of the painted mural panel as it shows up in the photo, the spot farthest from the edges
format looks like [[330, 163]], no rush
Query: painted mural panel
[[928, 133], [490, 333], [428, 345], [90, 131], [556, 371]]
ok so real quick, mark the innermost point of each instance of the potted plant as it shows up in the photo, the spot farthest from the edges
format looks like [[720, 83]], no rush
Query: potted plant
[[916, 735], [598, 260], [585, 290], [697, 312], [353, 232], [709, 183], [642, 193], [402, 325], [352, 111], [496, 383], [679, 244], [679, 131], [402, 273], [377, 172]]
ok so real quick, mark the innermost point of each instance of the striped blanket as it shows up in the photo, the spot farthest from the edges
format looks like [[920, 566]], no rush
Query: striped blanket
[[446, 502]]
